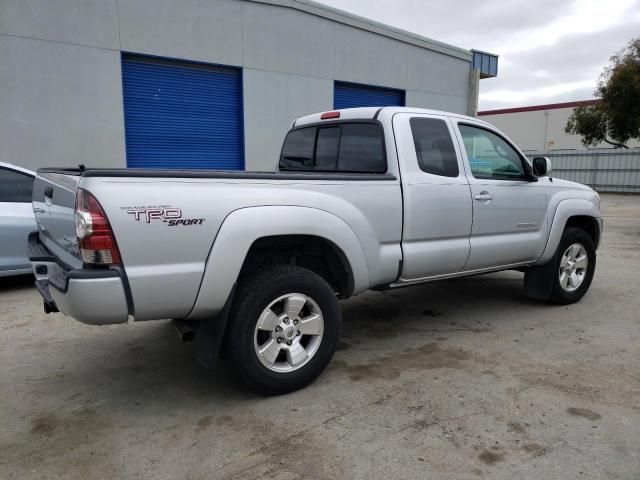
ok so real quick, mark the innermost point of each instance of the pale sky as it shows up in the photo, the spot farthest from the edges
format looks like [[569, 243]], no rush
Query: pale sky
[[550, 50]]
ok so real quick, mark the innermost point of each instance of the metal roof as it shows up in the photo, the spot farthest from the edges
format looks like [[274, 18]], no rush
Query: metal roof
[[363, 23], [548, 106]]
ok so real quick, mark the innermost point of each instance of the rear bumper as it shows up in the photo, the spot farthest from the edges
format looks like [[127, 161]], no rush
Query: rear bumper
[[92, 296]]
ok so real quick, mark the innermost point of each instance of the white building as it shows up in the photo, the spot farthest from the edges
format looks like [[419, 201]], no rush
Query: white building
[[540, 128]]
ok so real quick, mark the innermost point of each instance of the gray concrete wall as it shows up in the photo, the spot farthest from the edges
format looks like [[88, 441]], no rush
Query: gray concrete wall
[[272, 101], [437, 101], [92, 23], [60, 104], [60, 70], [60, 83], [205, 31]]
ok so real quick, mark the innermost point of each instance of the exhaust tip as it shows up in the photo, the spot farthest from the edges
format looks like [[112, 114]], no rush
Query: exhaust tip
[[185, 329], [188, 337]]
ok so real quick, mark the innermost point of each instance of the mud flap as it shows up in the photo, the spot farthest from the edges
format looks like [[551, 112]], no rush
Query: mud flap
[[538, 281], [210, 335]]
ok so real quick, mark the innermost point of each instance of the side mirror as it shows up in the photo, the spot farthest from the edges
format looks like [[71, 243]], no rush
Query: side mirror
[[541, 166]]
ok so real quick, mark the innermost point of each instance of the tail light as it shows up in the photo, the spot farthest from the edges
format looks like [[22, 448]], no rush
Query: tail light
[[95, 237]]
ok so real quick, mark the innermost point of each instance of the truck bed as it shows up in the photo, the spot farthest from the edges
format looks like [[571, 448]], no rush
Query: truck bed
[[165, 255]]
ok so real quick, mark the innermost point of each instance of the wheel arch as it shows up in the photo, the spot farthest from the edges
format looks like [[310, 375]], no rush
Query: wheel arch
[[579, 213], [588, 224], [248, 230]]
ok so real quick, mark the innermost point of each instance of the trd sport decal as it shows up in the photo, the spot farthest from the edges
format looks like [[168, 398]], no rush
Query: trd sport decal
[[170, 215]]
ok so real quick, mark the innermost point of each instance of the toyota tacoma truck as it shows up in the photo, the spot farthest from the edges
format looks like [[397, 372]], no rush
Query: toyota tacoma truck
[[253, 263]]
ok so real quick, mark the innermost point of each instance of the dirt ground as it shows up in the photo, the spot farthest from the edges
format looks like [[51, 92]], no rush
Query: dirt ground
[[461, 379]]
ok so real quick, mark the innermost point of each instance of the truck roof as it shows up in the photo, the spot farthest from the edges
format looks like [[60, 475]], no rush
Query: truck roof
[[368, 113]]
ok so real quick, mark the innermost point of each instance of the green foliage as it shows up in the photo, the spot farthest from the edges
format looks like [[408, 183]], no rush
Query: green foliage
[[616, 118], [588, 122]]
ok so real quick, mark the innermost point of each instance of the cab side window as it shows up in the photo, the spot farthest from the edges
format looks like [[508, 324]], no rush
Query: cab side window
[[490, 156], [434, 147], [15, 187]]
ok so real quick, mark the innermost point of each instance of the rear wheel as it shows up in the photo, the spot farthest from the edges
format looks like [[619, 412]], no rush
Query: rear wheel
[[283, 329], [575, 264]]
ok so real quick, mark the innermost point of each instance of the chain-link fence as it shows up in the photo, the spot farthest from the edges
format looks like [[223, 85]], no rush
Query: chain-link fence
[[603, 170]]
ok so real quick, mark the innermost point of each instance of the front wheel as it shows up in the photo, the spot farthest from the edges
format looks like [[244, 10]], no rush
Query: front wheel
[[283, 329], [575, 264]]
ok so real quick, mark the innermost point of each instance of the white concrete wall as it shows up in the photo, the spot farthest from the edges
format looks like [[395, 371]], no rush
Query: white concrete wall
[[540, 130], [60, 70]]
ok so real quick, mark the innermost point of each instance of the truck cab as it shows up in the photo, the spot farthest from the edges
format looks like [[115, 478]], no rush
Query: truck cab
[[472, 201]]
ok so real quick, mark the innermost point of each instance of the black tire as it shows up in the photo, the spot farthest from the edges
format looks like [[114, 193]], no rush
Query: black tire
[[570, 236], [253, 295]]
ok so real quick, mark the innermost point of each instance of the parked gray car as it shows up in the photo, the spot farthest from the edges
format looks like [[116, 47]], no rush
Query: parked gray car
[[256, 262], [16, 219]]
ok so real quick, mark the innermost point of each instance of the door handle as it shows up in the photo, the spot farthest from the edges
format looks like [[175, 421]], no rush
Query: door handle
[[483, 197]]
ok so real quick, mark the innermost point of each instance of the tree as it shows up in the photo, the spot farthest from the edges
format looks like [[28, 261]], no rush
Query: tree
[[616, 118]]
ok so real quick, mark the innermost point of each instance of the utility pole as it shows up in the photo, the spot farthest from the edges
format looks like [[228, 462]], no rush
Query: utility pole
[[474, 91]]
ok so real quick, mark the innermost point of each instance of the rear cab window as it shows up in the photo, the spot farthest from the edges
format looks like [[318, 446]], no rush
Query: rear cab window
[[346, 147], [298, 150]]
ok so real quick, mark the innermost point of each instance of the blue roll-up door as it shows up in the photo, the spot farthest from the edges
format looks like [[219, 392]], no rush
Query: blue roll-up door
[[182, 115], [350, 95]]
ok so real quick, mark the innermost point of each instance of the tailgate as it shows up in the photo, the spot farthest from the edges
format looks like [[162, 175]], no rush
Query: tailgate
[[54, 198]]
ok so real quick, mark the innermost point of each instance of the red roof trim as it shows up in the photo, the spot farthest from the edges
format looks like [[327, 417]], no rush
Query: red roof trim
[[533, 108]]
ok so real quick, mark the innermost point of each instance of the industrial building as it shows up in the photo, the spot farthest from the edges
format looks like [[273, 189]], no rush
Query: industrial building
[[203, 83], [540, 128]]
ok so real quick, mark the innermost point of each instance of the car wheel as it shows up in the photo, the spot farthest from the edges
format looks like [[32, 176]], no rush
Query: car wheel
[[575, 264], [283, 329]]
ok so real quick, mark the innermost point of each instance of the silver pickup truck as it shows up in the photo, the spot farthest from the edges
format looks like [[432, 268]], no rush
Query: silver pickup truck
[[253, 263]]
